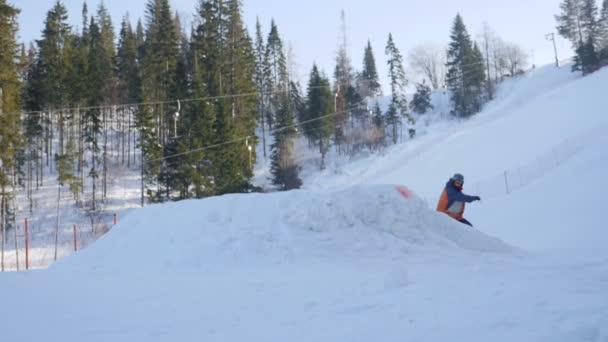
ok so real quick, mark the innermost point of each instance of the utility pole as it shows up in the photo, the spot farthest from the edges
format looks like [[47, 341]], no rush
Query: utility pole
[[551, 37]]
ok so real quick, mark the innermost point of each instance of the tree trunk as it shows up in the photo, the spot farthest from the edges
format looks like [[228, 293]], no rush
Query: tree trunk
[[321, 149], [142, 178], [123, 134], [29, 181], [38, 161], [263, 127], [58, 220], [14, 190], [117, 126], [128, 139], [104, 185], [46, 137], [81, 151], [16, 248], [93, 177], [41, 164], [61, 133], [51, 135], [490, 85]]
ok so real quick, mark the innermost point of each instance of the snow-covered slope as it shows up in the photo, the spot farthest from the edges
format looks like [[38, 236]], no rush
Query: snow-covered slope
[[351, 259], [524, 132], [531, 115]]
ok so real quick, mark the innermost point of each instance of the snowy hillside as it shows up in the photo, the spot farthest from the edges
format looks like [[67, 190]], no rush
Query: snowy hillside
[[543, 126], [350, 258]]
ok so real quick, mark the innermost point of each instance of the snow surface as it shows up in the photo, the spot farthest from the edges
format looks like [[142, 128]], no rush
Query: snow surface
[[278, 228], [350, 259]]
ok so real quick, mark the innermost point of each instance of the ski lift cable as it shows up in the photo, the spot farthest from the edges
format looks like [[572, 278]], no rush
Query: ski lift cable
[[238, 140], [179, 101]]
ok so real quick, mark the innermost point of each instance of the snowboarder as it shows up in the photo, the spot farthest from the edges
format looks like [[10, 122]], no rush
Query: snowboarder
[[452, 200]]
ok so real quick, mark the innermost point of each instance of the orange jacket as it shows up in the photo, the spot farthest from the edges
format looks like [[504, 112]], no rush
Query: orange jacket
[[442, 206], [453, 202]]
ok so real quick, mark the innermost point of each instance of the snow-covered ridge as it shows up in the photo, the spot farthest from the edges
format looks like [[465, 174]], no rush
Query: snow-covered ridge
[[368, 221]]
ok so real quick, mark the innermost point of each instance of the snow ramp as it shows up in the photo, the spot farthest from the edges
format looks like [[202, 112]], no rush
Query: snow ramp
[[372, 221]]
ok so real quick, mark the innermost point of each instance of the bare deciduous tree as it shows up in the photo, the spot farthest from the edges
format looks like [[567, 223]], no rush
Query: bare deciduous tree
[[429, 60], [488, 36], [502, 58], [516, 58]]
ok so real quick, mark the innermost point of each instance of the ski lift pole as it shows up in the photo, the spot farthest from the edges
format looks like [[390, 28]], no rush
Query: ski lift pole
[[336, 99], [250, 150], [175, 117], [75, 239]]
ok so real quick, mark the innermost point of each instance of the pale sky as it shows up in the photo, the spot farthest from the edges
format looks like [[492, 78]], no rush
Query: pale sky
[[312, 27]]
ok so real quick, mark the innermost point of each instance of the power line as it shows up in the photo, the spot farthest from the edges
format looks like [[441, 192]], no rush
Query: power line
[[209, 147], [209, 98]]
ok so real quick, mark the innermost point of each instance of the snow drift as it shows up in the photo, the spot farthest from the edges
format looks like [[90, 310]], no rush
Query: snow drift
[[368, 221]]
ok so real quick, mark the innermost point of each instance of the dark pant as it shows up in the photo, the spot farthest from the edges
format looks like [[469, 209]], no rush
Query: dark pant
[[465, 222]]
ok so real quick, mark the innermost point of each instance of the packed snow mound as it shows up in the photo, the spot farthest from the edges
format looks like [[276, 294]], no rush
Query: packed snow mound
[[367, 221]]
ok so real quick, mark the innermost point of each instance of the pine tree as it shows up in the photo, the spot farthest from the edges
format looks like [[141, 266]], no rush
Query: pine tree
[[140, 42], [579, 23], [319, 127], [80, 87], [343, 74], [343, 86], [224, 64], [177, 171], [275, 73], [284, 168], [587, 59], [10, 135], [67, 117], [421, 102], [368, 82], [589, 20], [107, 64], [93, 116], [242, 111], [32, 123], [48, 86], [378, 116], [126, 57], [603, 39], [65, 168], [200, 117], [51, 57], [260, 79], [476, 78], [79, 64], [466, 72], [197, 119], [108, 53], [398, 106], [129, 77], [379, 125], [569, 24], [298, 101], [161, 50], [24, 64]]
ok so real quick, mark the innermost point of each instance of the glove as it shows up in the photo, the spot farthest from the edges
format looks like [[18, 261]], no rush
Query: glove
[[477, 198]]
